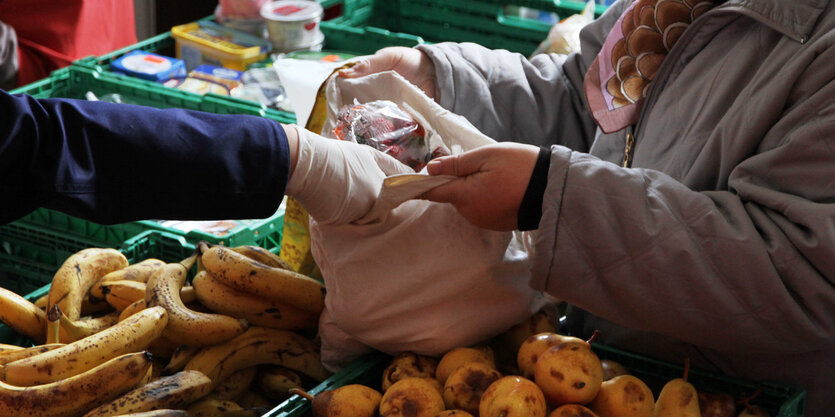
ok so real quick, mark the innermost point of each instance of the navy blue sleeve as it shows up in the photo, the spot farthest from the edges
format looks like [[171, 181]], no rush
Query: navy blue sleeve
[[113, 163]]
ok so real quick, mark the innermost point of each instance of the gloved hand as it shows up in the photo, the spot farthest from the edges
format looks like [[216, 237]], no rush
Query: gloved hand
[[336, 181], [412, 64]]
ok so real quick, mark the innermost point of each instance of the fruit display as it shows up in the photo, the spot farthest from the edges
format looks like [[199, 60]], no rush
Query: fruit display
[[112, 338], [232, 332], [554, 375]]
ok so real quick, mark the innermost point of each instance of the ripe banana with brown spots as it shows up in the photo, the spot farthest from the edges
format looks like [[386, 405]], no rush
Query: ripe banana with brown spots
[[7, 356], [132, 309], [89, 305], [255, 310], [236, 385], [158, 413], [138, 272], [276, 284], [73, 396], [275, 382], [187, 294], [72, 330], [182, 355], [172, 392], [122, 293], [262, 255], [131, 335], [77, 274], [260, 345], [5, 347], [22, 315], [184, 324]]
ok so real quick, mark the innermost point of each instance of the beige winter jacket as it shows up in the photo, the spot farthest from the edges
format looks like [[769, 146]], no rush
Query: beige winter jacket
[[718, 243]]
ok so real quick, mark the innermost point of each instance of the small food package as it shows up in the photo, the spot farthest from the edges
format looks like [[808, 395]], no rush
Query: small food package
[[385, 126], [208, 79]]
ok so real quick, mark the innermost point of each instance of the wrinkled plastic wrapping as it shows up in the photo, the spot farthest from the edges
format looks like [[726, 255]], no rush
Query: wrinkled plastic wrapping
[[388, 128]]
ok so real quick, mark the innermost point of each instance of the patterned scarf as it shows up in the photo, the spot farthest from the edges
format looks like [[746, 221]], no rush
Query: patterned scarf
[[623, 70]]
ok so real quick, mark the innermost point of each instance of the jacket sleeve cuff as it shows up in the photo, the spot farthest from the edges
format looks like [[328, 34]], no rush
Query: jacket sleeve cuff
[[530, 211], [545, 238]]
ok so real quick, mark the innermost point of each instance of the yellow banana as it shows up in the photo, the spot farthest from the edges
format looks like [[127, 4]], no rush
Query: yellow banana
[[132, 309], [77, 274], [275, 382], [254, 309], [73, 396], [122, 293], [184, 324], [275, 284], [89, 305], [7, 356], [72, 330], [233, 387], [22, 315], [187, 294], [210, 407], [262, 255], [131, 335], [260, 345], [41, 301], [157, 413], [6, 347], [140, 271], [53, 324], [174, 391], [182, 355]]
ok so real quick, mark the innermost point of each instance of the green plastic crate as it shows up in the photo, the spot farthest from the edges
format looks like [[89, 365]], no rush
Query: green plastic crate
[[485, 22], [780, 400], [75, 82], [37, 254], [338, 37], [31, 253]]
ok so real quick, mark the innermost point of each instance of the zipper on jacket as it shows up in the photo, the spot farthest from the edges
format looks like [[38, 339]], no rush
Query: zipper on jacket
[[628, 149], [661, 78]]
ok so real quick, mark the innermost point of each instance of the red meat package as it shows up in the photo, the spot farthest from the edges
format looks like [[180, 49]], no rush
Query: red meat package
[[389, 129]]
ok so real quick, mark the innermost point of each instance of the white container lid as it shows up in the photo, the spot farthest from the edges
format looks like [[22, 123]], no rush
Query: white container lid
[[292, 10]]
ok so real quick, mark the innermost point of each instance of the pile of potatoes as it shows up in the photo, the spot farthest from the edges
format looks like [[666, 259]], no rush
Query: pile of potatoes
[[530, 371]]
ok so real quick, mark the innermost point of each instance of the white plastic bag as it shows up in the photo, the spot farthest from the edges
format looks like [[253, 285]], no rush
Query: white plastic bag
[[419, 277], [564, 36]]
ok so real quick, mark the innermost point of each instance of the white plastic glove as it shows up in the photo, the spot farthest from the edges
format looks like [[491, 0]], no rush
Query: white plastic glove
[[336, 181]]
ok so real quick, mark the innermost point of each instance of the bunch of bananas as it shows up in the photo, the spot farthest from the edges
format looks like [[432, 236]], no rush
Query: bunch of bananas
[[117, 339]]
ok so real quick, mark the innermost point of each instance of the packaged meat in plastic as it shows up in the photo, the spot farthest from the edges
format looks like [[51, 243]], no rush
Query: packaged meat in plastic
[[389, 129]]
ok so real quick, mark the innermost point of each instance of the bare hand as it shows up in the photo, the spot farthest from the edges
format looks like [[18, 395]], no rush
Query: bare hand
[[412, 64], [491, 184]]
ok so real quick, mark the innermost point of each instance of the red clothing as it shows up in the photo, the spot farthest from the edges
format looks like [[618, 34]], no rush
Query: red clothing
[[51, 34]]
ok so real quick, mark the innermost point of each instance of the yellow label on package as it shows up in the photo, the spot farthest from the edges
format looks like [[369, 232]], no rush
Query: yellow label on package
[[295, 237]]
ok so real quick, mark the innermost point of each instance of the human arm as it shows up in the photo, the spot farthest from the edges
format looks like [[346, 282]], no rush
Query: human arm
[[114, 163], [739, 270]]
